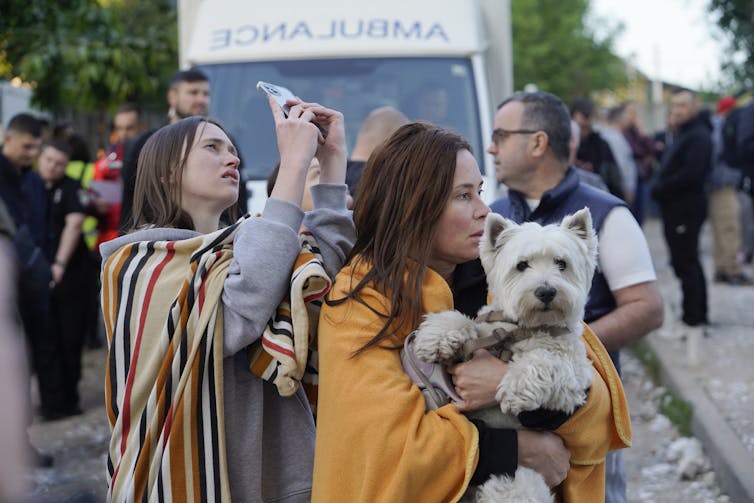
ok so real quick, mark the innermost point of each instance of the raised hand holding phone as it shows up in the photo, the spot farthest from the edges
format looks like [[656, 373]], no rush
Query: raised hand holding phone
[[280, 94], [283, 96], [331, 152], [298, 145]]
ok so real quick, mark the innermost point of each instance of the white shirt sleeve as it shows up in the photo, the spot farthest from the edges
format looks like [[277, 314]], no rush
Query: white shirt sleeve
[[624, 257]]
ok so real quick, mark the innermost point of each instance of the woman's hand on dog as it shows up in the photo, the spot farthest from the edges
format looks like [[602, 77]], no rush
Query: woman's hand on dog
[[476, 380], [545, 453]]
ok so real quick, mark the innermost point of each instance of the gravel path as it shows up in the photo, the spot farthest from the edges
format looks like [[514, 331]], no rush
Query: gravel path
[[729, 348], [652, 470]]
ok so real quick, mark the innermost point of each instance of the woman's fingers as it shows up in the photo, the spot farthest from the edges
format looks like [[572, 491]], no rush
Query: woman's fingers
[[277, 112]]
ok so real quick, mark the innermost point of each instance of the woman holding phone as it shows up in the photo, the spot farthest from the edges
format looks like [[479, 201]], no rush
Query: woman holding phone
[[183, 299]]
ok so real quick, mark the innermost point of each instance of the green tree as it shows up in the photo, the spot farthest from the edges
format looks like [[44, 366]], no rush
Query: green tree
[[89, 55], [554, 49], [736, 19]]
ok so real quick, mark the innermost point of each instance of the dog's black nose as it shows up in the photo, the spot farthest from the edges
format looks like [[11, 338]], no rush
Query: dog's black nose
[[545, 294]]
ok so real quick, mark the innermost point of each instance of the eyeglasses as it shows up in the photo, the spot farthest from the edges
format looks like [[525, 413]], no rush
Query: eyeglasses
[[500, 134]]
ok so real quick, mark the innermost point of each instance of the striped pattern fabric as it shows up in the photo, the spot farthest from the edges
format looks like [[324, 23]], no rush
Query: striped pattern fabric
[[286, 354], [161, 303]]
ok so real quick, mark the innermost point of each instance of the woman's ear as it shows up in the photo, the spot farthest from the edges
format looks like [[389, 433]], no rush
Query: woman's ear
[[171, 176]]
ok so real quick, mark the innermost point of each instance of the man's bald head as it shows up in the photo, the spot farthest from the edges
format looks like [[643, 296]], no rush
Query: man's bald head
[[377, 127]]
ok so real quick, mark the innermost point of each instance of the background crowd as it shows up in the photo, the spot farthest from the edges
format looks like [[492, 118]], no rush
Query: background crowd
[[59, 203]]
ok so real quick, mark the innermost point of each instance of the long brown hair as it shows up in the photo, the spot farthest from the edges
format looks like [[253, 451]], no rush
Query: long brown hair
[[157, 193], [406, 186]]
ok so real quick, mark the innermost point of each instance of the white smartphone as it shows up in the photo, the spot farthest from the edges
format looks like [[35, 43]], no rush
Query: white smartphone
[[281, 94]]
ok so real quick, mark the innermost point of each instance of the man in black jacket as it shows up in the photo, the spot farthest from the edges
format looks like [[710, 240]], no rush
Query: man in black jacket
[[742, 155], [679, 192], [23, 195]]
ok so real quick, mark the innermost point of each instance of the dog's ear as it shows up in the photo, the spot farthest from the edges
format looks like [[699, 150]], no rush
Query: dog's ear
[[494, 225], [580, 223]]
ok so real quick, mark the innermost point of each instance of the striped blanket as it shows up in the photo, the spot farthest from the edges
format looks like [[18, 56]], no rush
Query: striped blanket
[[161, 302], [287, 352]]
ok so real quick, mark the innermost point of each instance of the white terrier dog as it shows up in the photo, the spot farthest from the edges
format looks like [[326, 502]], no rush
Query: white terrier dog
[[539, 278]]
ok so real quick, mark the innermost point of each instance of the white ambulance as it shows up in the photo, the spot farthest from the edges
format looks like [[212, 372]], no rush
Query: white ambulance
[[447, 61]]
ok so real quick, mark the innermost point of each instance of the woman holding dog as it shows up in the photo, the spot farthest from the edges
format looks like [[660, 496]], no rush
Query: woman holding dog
[[422, 216], [184, 299]]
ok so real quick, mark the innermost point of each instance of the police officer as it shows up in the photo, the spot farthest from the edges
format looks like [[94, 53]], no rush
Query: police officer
[[71, 273]]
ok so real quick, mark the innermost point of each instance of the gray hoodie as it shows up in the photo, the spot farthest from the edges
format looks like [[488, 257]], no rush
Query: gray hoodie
[[269, 439]]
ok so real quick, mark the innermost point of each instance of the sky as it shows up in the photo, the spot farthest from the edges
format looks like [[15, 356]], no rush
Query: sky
[[673, 40]]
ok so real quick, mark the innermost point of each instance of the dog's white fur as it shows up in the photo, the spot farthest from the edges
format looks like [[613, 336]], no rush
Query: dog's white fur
[[525, 265]]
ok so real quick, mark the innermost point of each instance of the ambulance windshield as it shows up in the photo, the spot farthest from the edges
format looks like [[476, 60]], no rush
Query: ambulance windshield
[[440, 90]]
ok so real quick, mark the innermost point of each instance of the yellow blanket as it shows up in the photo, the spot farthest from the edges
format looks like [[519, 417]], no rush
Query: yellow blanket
[[602, 424], [376, 443]]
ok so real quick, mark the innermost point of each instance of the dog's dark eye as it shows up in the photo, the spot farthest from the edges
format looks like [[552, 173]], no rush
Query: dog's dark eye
[[522, 266], [561, 264]]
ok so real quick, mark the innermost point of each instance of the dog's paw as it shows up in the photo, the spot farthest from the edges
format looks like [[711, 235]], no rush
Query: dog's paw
[[431, 348], [541, 378], [526, 385], [441, 336]]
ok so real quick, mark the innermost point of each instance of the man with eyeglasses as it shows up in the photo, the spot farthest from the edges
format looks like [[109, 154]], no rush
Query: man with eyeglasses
[[530, 144]]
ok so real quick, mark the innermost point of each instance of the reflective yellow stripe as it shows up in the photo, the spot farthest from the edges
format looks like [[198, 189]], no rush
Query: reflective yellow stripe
[[75, 168], [83, 173], [89, 230]]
